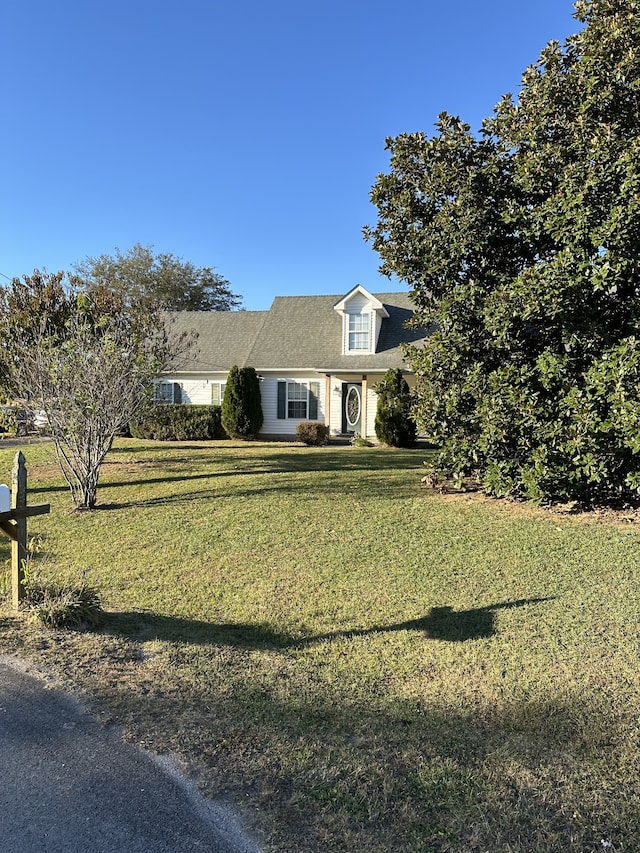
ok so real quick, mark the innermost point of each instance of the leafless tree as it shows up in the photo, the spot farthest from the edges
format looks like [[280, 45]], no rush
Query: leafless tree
[[86, 363]]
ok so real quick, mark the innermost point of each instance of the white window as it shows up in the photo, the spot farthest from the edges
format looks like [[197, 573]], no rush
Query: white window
[[167, 392], [362, 315], [298, 400], [359, 330], [217, 393], [297, 394]]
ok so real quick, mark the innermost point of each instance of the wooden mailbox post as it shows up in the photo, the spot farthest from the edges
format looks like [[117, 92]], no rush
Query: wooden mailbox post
[[14, 524]]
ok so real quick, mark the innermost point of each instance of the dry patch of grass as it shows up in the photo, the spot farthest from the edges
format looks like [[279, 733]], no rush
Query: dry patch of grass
[[366, 664]]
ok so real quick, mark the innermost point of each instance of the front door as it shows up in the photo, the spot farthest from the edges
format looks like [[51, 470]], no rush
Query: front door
[[352, 407]]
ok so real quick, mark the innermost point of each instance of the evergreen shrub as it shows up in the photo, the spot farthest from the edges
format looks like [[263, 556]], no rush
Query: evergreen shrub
[[312, 433], [242, 403], [176, 422], [393, 424]]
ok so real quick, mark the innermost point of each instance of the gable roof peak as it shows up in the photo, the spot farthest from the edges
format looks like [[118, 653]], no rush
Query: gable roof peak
[[359, 290]]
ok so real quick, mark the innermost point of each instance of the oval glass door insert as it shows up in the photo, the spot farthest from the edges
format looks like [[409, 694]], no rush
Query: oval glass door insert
[[352, 407]]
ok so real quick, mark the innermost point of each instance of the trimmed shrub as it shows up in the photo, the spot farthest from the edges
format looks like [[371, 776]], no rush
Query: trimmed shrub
[[394, 425], [176, 422], [312, 433], [242, 403]]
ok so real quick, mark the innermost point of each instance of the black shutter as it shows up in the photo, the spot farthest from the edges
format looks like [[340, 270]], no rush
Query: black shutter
[[282, 400]]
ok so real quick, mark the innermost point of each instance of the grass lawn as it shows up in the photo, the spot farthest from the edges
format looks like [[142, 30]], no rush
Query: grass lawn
[[365, 664]]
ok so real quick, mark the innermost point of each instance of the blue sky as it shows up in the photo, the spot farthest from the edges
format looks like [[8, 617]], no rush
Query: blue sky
[[240, 135]]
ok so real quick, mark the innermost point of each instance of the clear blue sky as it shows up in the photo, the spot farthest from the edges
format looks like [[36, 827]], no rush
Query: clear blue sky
[[241, 135]]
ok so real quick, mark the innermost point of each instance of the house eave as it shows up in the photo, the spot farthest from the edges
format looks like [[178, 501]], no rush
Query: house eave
[[373, 301]]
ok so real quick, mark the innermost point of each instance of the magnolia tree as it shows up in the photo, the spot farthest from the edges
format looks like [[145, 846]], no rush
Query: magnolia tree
[[84, 362], [522, 247]]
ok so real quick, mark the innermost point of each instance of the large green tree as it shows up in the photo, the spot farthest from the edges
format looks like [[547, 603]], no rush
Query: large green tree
[[522, 248], [161, 279], [86, 361]]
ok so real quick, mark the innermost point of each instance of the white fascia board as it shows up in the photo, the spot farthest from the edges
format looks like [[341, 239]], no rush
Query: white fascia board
[[375, 303], [194, 372], [280, 370], [347, 369]]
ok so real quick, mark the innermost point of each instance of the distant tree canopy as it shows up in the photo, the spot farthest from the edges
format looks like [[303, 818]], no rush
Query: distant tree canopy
[[162, 279], [522, 248]]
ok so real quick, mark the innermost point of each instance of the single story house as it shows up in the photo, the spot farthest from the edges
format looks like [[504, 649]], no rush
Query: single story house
[[317, 357]]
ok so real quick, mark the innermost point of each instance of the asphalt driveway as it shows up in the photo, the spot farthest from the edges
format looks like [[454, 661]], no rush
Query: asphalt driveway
[[69, 785]]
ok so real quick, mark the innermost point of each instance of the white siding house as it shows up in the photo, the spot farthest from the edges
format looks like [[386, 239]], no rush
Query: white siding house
[[317, 357]]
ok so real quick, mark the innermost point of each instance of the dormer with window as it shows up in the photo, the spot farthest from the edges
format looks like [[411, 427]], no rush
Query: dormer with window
[[362, 316]]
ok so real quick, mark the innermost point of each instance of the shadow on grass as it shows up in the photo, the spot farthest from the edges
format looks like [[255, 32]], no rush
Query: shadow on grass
[[440, 623], [293, 460], [381, 774], [366, 490], [296, 458], [161, 447]]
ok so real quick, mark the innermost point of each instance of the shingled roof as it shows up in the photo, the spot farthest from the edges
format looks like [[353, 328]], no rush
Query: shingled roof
[[297, 333], [223, 338]]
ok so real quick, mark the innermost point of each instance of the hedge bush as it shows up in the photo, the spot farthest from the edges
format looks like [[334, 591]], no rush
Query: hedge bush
[[312, 432], [176, 422]]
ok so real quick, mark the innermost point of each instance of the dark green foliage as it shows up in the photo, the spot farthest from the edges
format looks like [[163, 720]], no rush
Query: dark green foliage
[[312, 433], [242, 403], [173, 422], [14, 421], [160, 280], [394, 423], [522, 246]]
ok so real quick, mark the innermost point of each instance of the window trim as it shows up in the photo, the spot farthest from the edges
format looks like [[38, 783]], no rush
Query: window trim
[[354, 321], [220, 385], [167, 392], [311, 400]]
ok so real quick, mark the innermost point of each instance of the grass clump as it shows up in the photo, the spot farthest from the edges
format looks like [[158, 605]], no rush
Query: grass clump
[[52, 603], [63, 606], [359, 441]]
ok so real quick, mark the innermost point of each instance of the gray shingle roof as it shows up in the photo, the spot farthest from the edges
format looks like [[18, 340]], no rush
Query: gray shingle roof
[[224, 338], [298, 332]]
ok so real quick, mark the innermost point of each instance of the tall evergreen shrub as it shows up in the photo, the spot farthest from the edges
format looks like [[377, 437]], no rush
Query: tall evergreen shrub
[[394, 424], [242, 403]]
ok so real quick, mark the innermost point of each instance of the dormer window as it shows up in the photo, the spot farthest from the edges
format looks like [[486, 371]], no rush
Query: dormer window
[[362, 315], [359, 332]]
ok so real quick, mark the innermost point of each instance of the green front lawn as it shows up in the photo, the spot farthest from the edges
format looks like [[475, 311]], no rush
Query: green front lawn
[[365, 664]]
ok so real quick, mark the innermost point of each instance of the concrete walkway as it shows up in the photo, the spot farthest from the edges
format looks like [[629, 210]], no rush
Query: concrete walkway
[[71, 786]]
